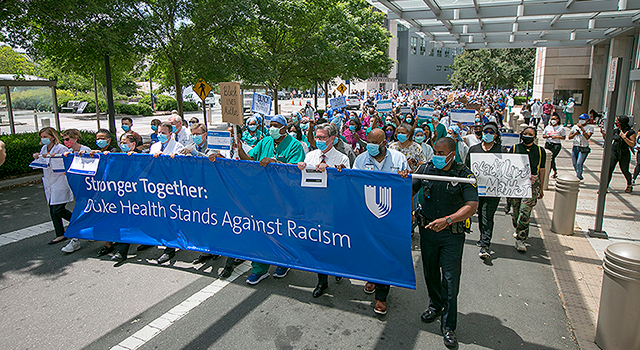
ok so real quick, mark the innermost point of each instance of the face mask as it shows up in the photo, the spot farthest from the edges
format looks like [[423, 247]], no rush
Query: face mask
[[582, 122], [487, 113], [419, 139], [402, 137], [163, 138], [335, 141], [68, 144], [352, 128], [45, 141], [174, 129], [373, 149], [450, 136], [527, 140], [554, 122], [322, 145], [440, 161], [197, 139], [294, 119], [124, 147], [190, 123], [479, 133], [488, 138], [304, 126], [253, 127], [102, 143], [293, 134], [274, 132], [478, 120], [408, 120], [617, 124], [125, 128], [388, 133], [154, 127]]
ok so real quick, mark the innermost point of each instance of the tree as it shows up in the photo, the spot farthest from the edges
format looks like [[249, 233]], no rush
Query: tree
[[494, 68], [12, 62]]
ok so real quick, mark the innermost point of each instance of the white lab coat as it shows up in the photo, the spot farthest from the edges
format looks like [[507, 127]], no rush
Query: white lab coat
[[56, 187], [183, 136], [172, 147]]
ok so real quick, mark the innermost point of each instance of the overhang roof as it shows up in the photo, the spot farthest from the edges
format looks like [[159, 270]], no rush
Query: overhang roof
[[476, 24]]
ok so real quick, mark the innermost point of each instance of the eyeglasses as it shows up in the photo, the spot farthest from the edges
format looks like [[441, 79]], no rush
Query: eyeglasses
[[66, 139], [489, 132]]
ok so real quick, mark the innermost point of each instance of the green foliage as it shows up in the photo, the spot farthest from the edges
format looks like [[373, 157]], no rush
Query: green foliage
[[168, 103], [501, 68], [520, 100], [39, 99], [133, 109], [12, 62], [21, 147]]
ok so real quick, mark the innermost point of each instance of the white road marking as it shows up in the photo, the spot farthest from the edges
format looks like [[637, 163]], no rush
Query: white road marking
[[25, 233], [161, 323]]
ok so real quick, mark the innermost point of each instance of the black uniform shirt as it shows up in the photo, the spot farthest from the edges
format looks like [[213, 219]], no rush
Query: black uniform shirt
[[537, 156], [444, 198]]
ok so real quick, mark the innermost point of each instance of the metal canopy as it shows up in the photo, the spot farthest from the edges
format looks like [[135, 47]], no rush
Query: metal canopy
[[477, 24]]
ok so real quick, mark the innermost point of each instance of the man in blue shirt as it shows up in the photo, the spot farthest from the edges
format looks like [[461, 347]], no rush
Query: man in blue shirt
[[379, 158]]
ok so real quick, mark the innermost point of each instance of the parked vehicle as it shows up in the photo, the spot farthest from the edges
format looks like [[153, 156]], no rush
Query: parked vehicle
[[353, 101]]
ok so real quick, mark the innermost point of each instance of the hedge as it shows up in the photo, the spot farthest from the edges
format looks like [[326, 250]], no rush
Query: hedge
[[520, 100], [168, 103], [21, 147]]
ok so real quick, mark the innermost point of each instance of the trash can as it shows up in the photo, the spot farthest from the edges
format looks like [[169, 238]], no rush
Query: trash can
[[619, 315], [547, 168], [564, 205]]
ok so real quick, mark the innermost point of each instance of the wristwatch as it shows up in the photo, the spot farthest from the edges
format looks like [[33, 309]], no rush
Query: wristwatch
[[449, 221]]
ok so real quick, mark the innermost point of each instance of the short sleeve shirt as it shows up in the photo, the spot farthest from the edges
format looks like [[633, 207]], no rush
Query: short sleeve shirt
[[393, 161], [289, 150], [414, 151]]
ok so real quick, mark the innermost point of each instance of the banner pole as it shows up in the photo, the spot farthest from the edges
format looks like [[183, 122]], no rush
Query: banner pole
[[468, 180]]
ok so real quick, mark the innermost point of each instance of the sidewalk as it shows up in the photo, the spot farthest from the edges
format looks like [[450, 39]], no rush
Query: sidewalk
[[577, 259]]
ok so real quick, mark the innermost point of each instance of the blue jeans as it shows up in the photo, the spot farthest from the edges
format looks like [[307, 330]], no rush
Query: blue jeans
[[578, 159]]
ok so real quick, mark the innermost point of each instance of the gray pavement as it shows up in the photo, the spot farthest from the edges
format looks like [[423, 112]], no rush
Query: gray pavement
[[74, 301]]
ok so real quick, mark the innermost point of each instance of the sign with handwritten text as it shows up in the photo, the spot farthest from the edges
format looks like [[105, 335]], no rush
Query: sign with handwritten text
[[502, 174], [231, 103]]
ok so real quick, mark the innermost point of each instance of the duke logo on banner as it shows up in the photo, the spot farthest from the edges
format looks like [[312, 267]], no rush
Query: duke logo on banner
[[381, 207]]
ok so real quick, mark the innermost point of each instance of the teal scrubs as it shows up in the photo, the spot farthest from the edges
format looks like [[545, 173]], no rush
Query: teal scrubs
[[252, 140]]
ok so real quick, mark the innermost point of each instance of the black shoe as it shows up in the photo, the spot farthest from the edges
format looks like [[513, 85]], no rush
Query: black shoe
[[338, 279], [429, 315], [118, 257], [202, 258], [237, 262], [450, 339], [56, 241], [105, 250], [226, 273], [319, 290], [166, 257], [143, 247]]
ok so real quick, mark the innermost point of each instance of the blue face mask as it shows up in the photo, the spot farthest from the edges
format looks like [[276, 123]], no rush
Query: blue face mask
[[126, 127], [419, 139], [253, 127], [45, 141], [478, 120], [174, 129], [373, 149], [197, 139], [408, 120], [440, 161], [488, 138], [102, 143], [274, 132], [304, 126], [163, 138], [352, 128], [322, 145], [124, 147], [335, 141], [402, 137], [154, 127]]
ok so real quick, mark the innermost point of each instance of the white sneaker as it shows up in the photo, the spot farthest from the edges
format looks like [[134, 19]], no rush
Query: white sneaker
[[72, 246], [520, 246]]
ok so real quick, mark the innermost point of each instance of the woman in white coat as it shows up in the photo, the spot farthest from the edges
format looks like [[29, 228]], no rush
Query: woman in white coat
[[56, 187]]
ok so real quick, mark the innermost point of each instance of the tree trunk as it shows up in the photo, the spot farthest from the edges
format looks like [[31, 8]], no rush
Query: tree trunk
[[95, 92], [275, 99], [110, 105], [177, 85], [326, 95]]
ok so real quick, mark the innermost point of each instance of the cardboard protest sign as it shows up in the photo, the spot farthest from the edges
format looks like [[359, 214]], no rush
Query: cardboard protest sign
[[338, 102], [231, 103], [502, 174]]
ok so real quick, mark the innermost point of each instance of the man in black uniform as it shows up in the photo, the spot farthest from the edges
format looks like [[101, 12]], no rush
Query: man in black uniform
[[445, 207]]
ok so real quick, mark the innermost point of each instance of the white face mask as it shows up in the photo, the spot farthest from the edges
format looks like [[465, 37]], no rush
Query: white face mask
[[554, 122], [582, 122]]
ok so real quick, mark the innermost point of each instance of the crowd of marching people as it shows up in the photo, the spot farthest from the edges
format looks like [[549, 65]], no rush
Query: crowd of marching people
[[399, 141]]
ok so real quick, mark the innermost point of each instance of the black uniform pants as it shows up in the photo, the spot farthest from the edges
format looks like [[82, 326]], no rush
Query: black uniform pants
[[442, 250], [59, 212], [622, 158], [487, 207]]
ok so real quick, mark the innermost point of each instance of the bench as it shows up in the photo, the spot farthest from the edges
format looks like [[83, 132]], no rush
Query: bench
[[74, 107]]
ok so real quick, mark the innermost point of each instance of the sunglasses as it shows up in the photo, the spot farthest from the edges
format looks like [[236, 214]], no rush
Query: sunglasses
[[66, 139], [489, 132]]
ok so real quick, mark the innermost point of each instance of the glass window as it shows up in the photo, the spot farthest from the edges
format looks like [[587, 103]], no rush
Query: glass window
[[446, 52], [423, 46], [431, 48], [414, 44], [439, 52], [438, 68], [446, 68]]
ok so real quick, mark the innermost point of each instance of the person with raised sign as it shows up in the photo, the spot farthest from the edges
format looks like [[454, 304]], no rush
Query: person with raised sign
[[324, 156], [445, 206], [280, 147], [487, 206], [56, 188], [379, 158], [522, 207]]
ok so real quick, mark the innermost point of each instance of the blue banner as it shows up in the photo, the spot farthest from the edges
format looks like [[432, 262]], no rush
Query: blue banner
[[357, 227]]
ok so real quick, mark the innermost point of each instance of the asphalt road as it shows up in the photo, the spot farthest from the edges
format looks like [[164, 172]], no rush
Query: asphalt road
[[52, 300]]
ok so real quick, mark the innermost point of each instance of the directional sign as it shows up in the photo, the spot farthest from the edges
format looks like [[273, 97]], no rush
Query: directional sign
[[202, 89], [342, 88]]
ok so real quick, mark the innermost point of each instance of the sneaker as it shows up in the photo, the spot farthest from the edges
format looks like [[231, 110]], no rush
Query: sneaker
[[280, 272], [478, 244], [254, 278], [520, 246], [118, 257], [484, 254], [72, 246]]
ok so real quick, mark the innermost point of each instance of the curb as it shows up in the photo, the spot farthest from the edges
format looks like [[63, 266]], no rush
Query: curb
[[20, 181]]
